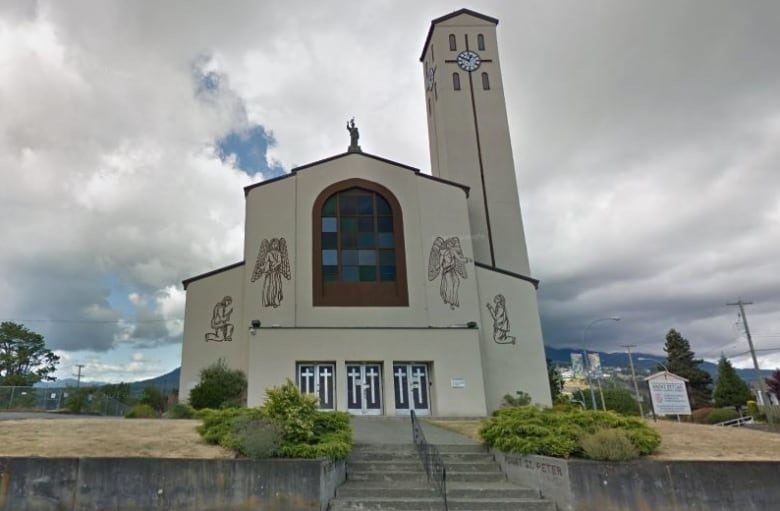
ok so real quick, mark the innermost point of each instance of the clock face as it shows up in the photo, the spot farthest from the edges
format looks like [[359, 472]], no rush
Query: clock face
[[468, 60]]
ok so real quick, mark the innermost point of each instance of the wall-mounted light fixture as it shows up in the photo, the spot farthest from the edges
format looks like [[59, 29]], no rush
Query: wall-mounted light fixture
[[470, 324]]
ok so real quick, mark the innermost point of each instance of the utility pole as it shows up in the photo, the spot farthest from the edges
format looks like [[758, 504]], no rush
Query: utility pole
[[761, 383], [633, 376], [78, 377]]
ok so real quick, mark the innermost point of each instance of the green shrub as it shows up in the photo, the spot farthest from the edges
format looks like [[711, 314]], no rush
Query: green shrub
[[217, 424], [721, 414], [288, 425], [141, 411], [520, 399], [78, 399], [699, 416], [555, 432], [219, 387], [254, 437], [608, 445], [295, 412], [154, 397], [616, 399], [180, 411]]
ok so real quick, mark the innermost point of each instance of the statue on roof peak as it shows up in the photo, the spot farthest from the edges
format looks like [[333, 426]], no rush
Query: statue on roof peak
[[354, 135]]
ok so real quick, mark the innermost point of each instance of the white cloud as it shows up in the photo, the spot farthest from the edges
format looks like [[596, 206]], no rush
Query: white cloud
[[645, 142]]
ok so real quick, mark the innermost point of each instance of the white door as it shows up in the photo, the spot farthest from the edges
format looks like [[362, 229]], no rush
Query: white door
[[410, 386], [364, 389], [318, 379]]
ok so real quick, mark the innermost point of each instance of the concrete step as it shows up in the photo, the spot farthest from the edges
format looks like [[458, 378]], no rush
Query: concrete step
[[435, 503], [410, 447], [378, 489], [488, 490], [459, 466], [454, 457], [419, 475]]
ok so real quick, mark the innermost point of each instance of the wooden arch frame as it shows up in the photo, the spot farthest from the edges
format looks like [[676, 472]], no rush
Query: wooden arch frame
[[359, 294]]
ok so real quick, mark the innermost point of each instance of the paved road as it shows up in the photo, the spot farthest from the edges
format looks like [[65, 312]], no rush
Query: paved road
[[398, 430]]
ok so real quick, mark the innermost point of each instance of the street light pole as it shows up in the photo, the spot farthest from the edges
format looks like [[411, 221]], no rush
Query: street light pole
[[586, 361], [633, 376]]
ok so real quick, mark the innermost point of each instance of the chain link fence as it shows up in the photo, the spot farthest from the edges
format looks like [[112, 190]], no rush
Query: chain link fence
[[57, 398]]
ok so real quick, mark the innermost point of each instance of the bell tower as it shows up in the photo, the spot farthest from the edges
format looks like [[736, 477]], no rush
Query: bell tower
[[468, 133]]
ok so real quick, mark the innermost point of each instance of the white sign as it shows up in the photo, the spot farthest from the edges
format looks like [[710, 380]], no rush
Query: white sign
[[669, 395], [458, 383]]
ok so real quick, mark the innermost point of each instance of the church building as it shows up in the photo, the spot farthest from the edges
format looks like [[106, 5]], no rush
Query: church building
[[377, 287]]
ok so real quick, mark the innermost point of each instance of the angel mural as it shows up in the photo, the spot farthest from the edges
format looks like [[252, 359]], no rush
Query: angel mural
[[220, 321], [447, 259], [500, 321], [272, 264]]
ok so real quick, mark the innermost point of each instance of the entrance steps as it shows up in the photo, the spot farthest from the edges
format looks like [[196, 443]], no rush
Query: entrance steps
[[391, 477]]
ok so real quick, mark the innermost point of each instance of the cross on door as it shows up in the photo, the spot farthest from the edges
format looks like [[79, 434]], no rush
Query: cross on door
[[400, 376]]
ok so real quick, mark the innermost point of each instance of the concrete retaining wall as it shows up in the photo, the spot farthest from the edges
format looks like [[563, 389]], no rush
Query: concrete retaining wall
[[648, 485], [129, 484]]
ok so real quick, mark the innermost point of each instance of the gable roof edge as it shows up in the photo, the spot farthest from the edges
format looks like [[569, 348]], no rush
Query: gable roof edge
[[187, 282], [451, 15]]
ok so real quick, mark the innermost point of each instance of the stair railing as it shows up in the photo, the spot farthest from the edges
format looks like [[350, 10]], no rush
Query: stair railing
[[431, 459]]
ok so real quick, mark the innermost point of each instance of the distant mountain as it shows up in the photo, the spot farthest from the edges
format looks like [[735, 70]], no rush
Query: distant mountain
[[167, 383], [68, 382], [620, 359]]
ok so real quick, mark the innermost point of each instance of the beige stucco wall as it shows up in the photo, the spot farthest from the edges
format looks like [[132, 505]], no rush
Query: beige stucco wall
[[444, 213], [202, 296], [429, 209], [453, 140], [271, 213], [451, 352], [519, 366]]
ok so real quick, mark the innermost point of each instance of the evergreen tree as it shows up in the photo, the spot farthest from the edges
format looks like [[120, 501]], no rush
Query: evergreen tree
[[219, 387], [680, 361], [730, 390], [24, 358], [556, 381]]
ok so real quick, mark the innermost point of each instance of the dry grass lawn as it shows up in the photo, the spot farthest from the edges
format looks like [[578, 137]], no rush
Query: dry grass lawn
[[178, 439], [105, 438], [683, 441]]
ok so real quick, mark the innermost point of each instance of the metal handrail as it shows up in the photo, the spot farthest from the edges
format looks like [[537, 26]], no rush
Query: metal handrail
[[431, 459]]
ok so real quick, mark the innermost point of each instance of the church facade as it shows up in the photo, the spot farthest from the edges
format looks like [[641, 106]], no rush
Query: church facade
[[379, 288]]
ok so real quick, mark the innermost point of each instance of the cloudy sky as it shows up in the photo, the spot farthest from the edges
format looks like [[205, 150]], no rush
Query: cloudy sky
[[646, 139]]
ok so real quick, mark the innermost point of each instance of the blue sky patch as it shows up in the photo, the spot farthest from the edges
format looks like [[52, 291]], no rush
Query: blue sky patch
[[250, 148]]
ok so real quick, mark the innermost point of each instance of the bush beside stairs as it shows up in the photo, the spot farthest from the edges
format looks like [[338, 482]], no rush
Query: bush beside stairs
[[391, 477]]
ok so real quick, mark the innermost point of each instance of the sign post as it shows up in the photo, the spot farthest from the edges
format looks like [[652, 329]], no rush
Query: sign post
[[668, 394]]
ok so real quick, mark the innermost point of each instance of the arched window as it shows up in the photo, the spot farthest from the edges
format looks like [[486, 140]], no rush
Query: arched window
[[456, 81], [453, 45], [358, 246], [480, 42], [485, 81]]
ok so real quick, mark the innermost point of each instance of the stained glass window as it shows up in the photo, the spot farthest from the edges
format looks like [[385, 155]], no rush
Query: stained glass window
[[357, 238]]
